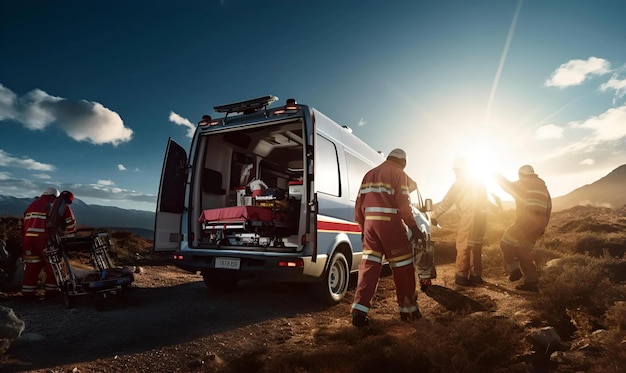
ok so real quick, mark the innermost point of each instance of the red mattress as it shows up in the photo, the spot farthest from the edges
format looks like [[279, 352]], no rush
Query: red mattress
[[236, 213]]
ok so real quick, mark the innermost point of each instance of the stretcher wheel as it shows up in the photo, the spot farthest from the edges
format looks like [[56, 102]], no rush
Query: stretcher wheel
[[68, 300]]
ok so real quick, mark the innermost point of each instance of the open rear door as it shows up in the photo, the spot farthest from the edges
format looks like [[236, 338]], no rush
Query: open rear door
[[171, 199]]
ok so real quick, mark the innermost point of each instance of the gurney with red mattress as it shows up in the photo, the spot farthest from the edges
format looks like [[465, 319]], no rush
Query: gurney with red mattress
[[245, 225]]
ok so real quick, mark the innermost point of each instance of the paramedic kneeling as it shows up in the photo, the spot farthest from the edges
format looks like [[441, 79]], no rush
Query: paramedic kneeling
[[382, 210]]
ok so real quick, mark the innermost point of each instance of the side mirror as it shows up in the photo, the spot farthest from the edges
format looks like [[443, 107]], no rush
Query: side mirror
[[428, 205]]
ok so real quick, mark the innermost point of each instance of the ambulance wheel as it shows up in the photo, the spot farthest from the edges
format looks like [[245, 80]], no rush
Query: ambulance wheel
[[220, 282], [334, 286]]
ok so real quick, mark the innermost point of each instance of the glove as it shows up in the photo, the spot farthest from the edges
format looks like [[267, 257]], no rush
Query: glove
[[416, 234], [434, 222]]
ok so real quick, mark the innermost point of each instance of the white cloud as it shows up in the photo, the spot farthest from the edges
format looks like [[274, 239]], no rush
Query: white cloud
[[362, 122], [575, 72], [181, 121], [587, 162], [619, 85], [8, 102], [8, 161], [603, 130], [549, 131], [121, 167], [5, 176], [105, 182], [608, 126], [42, 176], [81, 120]]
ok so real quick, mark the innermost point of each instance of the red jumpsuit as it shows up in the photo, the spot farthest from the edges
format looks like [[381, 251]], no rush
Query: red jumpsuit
[[382, 210], [471, 201], [34, 243], [533, 206]]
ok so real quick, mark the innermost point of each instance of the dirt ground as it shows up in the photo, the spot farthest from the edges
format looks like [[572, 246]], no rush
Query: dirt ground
[[168, 321]]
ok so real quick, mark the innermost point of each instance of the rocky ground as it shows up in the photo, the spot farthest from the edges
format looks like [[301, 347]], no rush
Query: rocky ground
[[169, 322]]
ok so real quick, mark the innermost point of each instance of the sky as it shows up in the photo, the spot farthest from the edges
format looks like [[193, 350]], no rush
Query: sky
[[91, 91]]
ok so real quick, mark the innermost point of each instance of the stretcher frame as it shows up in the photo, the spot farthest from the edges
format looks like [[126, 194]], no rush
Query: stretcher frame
[[73, 282]]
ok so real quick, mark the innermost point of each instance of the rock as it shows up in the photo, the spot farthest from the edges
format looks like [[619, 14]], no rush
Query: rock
[[546, 339], [28, 338], [568, 357], [10, 328]]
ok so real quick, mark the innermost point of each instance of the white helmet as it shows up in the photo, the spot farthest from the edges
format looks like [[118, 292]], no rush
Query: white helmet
[[50, 192]]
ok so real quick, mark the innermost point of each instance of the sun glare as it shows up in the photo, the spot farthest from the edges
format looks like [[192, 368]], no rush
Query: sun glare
[[484, 155]]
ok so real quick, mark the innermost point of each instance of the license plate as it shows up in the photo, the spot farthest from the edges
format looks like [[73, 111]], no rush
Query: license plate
[[230, 263]]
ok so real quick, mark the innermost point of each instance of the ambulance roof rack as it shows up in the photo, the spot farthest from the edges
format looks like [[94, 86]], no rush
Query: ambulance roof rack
[[246, 107]]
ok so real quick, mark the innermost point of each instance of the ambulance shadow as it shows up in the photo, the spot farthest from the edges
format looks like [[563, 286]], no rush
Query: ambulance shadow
[[454, 301]]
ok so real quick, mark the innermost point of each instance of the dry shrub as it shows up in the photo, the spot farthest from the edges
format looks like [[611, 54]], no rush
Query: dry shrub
[[128, 246], [599, 245], [577, 291], [461, 344]]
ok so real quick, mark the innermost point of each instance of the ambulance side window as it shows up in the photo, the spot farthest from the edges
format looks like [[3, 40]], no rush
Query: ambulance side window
[[326, 167]]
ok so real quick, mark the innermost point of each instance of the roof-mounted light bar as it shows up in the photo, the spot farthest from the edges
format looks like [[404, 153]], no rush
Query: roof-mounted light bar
[[207, 121], [290, 107], [246, 107]]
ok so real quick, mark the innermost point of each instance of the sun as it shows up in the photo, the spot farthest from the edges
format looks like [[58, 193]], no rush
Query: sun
[[485, 155]]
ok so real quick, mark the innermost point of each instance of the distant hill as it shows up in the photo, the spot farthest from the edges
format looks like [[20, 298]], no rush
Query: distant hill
[[136, 221], [609, 191]]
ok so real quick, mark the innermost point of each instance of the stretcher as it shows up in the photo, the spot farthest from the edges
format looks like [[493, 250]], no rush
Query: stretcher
[[247, 226], [74, 282]]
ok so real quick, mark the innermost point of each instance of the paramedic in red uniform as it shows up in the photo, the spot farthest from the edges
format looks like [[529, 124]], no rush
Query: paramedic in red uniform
[[34, 243], [383, 212], [533, 206]]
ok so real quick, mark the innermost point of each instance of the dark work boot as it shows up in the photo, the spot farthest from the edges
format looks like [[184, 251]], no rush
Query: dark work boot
[[360, 319], [476, 279], [461, 280], [515, 275], [413, 316]]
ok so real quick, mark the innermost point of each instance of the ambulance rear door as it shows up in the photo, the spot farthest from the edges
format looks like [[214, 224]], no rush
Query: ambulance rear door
[[171, 199]]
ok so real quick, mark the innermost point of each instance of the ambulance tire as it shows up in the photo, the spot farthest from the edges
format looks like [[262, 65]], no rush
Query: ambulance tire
[[220, 282], [332, 289]]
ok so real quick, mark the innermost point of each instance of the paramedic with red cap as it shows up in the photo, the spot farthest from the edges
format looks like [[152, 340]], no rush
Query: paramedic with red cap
[[533, 206], [383, 212], [35, 238]]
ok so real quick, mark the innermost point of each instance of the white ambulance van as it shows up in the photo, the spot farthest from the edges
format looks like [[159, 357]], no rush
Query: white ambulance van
[[267, 193]]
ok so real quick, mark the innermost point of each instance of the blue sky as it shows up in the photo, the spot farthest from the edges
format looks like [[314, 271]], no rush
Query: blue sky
[[91, 91]]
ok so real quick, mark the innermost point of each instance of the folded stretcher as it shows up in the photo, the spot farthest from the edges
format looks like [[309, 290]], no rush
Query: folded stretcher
[[73, 282]]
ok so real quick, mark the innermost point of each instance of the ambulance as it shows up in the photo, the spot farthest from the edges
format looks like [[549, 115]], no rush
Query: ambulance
[[267, 191]]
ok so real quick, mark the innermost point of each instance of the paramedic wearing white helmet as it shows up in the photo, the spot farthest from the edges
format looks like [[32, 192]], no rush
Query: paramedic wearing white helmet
[[383, 212], [533, 206], [469, 196]]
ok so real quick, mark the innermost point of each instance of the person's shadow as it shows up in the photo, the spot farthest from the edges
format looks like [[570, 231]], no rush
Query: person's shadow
[[454, 301]]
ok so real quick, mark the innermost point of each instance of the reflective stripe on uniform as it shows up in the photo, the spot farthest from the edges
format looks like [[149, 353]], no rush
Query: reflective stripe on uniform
[[405, 190], [407, 309], [32, 259], [374, 217], [377, 188], [402, 260], [387, 210], [29, 288], [360, 307], [372, 256]]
